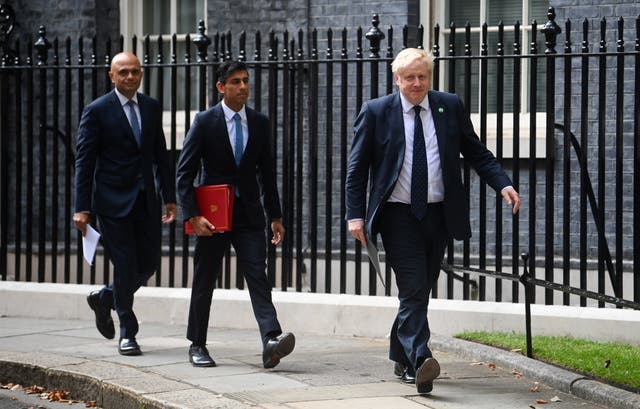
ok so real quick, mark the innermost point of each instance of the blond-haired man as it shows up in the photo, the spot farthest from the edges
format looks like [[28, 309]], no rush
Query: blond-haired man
[[408, 144]]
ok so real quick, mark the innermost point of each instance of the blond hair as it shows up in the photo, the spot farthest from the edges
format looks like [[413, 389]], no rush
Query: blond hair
[[408, 56]]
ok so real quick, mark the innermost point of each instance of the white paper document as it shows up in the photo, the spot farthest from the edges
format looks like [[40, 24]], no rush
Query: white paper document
[[90, 243]]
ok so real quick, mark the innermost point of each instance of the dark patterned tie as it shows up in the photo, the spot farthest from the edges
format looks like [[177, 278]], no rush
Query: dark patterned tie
[[419, 170], [133, 120]]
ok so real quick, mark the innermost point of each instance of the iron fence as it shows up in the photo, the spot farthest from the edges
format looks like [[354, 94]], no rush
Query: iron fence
[[564, 124]]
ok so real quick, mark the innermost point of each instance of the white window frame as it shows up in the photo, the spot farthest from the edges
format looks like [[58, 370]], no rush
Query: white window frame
[[432, 12]]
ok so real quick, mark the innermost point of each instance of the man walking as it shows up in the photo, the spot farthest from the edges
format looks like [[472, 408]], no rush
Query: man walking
[[121, 155], [230, 144], [407, 146]]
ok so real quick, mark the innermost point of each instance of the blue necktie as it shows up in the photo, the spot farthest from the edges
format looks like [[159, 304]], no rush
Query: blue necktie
[[239, 144], [133, 120], [419, 170]]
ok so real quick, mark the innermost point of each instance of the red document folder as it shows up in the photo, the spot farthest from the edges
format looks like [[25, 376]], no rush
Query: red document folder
[[216, 205]]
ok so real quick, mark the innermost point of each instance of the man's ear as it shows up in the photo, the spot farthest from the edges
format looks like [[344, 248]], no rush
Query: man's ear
[[220, 87]]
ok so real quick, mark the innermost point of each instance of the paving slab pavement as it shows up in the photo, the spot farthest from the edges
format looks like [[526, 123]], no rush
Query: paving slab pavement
[[324, 371]]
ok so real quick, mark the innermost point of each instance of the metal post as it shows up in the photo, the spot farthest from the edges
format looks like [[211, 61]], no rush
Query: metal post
[[550, 31], [528, 288]]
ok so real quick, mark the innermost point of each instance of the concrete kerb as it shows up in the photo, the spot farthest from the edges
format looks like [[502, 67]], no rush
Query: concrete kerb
[[351, 316], [83, 384]]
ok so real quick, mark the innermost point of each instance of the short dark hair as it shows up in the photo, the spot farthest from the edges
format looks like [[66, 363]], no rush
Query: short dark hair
[[229, 67]]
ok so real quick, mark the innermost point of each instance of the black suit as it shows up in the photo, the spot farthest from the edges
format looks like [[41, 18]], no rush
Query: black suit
[[207, 149], [118, 180], [414, 248]]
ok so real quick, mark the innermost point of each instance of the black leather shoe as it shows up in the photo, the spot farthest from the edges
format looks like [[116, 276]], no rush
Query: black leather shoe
[[104, 322], [428, 371], [199, 356], [129, 347], [399, 369], [277, 348], [408, 377]]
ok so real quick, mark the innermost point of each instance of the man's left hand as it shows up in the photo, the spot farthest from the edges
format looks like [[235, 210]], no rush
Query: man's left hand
[[170, 213], [278, 231], [512, 198]]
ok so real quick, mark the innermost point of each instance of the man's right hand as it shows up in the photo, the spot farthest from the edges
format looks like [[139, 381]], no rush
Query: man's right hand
[[356, 227], [81, 219], [202, 226]]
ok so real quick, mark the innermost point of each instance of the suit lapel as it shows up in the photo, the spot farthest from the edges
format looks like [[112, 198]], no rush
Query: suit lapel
[[251, 138], [145, 117], [438, 113], [221, 123], [397, 125]]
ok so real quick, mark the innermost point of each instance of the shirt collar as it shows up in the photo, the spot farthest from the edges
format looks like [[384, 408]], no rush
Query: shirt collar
[[123, 99], [408, 106], [229, 113]]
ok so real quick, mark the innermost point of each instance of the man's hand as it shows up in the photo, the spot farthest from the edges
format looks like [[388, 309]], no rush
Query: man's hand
[[512, 198], [170, 213], [278, 231], [356, 227], [202, 226], [81, 219]]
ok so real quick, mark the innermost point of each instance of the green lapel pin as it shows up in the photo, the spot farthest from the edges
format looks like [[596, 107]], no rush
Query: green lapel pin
[[441, 109]]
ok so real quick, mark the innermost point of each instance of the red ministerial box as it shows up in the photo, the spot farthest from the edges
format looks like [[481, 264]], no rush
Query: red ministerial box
[[216, 205]]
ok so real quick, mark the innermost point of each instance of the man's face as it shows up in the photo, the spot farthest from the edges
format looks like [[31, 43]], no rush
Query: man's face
[[126, 74], [235, 89], [414, 82]]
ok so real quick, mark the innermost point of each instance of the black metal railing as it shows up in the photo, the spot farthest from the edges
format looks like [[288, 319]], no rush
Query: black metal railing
[[564, 157]]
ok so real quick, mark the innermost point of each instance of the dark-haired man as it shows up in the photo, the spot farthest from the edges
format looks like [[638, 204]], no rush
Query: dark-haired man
[[230, 144]]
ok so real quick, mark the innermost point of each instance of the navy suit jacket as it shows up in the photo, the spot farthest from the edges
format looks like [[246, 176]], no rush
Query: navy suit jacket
[[207, 150], [110, 166], [377, 154]]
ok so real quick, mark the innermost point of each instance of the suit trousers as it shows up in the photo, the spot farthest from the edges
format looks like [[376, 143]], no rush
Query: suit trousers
[[414, 248], [133, 244], [250, 247]]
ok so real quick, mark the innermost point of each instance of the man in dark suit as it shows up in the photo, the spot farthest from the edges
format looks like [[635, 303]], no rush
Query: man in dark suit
[[121, 157], [230, 144], [408, 146]]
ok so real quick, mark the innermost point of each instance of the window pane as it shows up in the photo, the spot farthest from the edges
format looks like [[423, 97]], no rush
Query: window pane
[[154, 74], [538, 10], [189, 13], [461, 11], [507, 11], [156, 18]]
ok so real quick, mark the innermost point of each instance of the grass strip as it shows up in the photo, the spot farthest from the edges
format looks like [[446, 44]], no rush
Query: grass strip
[[614, 363]]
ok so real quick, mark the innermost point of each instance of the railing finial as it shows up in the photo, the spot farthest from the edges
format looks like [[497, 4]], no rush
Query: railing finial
[[375, 36], [42, 45], [551, 29], [202, 42]]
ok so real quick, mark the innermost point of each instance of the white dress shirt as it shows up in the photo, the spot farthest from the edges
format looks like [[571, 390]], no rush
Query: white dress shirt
[[231, 126], [402, 190]]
